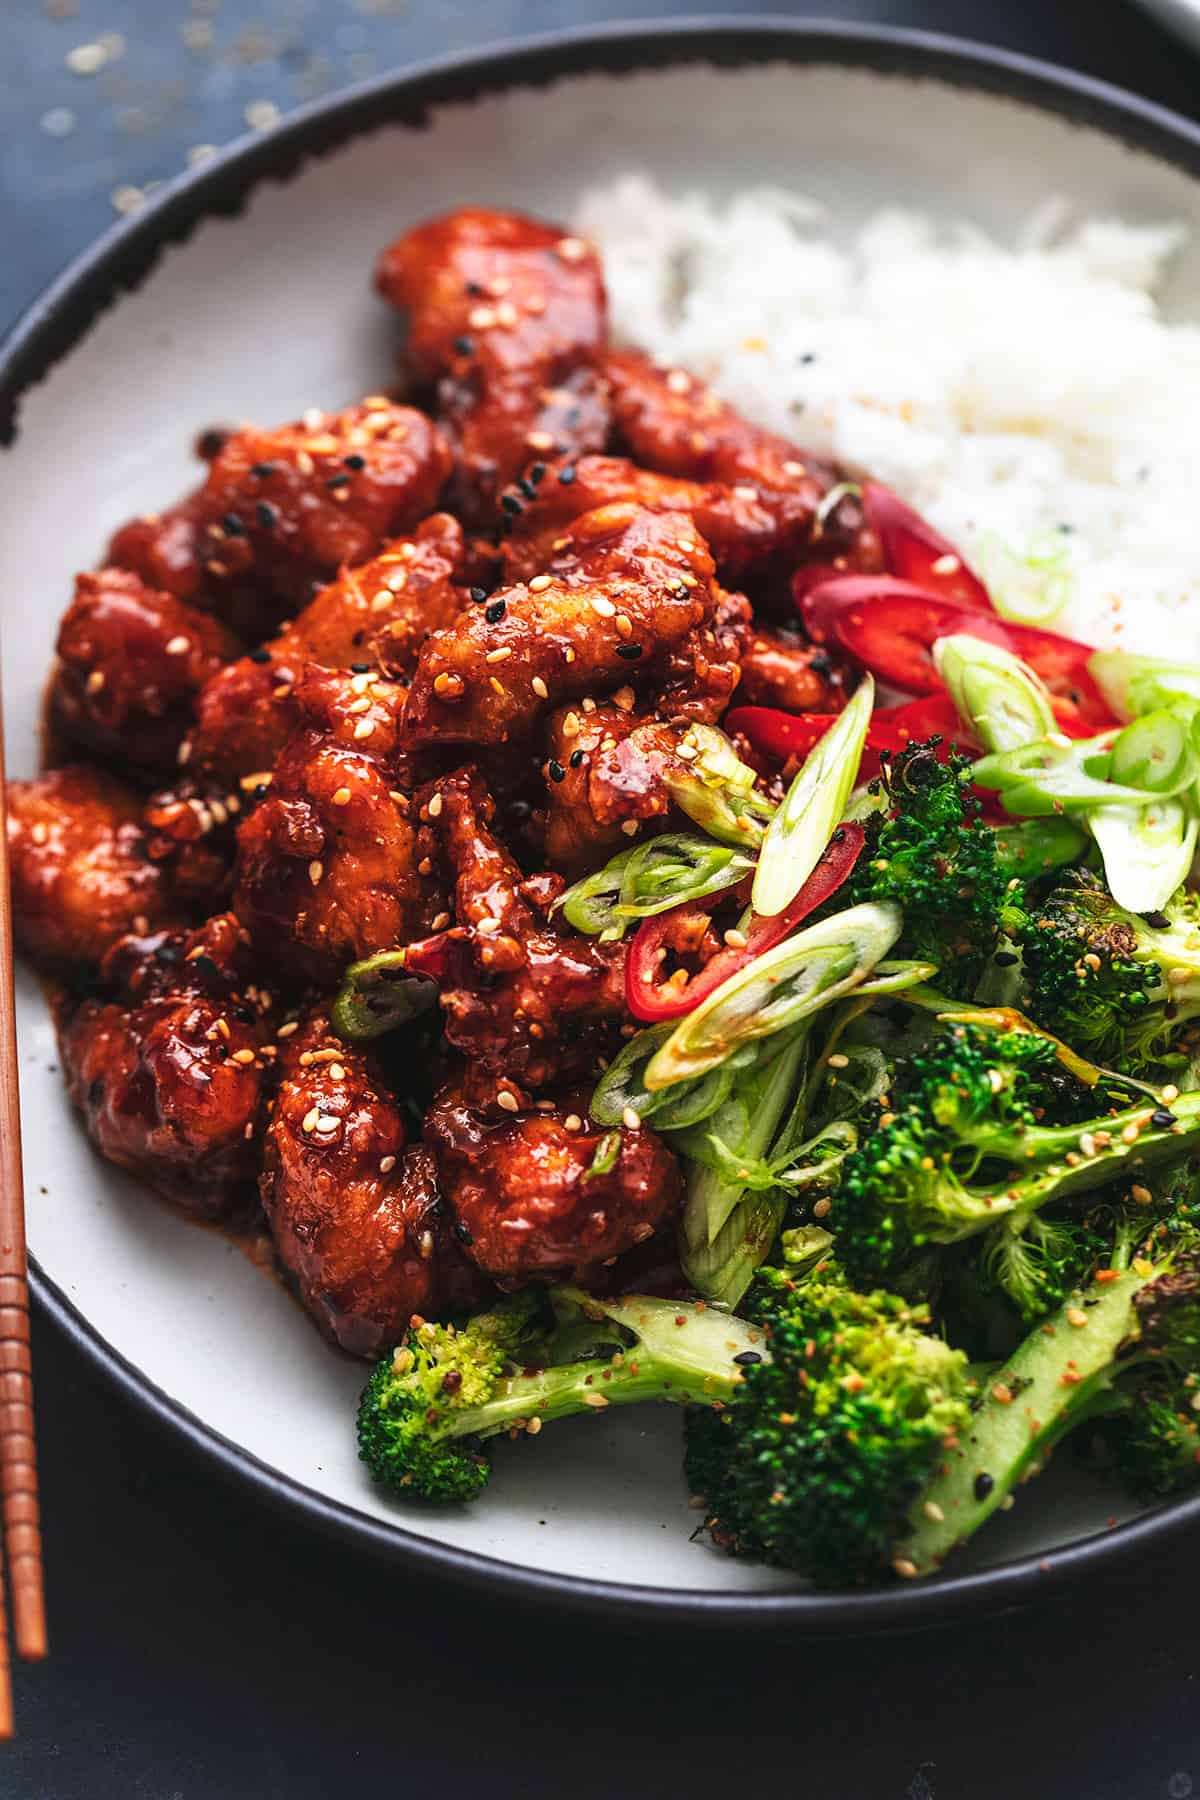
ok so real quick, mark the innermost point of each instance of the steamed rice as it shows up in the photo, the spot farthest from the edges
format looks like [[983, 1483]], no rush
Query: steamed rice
[[1030, 400]]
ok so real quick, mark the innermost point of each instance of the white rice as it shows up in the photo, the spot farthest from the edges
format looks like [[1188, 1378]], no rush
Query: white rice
[[1029, 399]]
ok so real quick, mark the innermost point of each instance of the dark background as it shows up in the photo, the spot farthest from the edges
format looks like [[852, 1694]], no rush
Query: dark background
[[205, 1648]]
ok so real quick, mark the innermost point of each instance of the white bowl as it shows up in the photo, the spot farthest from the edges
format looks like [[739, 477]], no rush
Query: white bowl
[[243, 292]]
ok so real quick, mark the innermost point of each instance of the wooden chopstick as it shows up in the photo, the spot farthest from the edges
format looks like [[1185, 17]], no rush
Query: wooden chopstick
[[18, 1462]]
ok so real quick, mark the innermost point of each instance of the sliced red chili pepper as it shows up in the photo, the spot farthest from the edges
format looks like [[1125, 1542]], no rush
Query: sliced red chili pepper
[[914, 551], [891, 626], [434, 956], [651, 1000], [781, 734]]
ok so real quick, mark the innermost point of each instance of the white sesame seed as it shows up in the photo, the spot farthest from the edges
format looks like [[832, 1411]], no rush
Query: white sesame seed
[[1169, 1093], [487, 926], [286, 1031], [179, 645], [737, 940], [39, 833], [315, 872], [572, 1122], [260, 115], [629, 827], [540, 583], [508, 1100], [363, 729], [946, 565], [603, 606], [386, 1164], [243, 1056], [340, 796], [591, 1398], [309, 1121], [435, 807], [337, 1072], [539, 687], [481, 318], [679, 381], [94, 682], [498, 656], [571, 249], [631, 1119]]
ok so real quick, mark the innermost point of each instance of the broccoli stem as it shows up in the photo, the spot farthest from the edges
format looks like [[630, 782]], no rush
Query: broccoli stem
[[682, 1352], [1055, 1378]]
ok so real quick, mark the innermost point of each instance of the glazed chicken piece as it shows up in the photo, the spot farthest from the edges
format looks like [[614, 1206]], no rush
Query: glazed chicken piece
[[604, 768], [373, 616], [169, 1069], [520, 994], [506, 321], [81, 875], [131, 661], [628, 590], [780, 669], [668, 421], [281, 511], [191, 833], [357, 1219], [535, 1192], [742, 529], [326, 863]]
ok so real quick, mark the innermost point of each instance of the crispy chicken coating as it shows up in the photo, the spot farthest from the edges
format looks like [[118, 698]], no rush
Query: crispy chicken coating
[[358, 1220], [669, 421], [131, 661], [373, 616], [81, 875], [604, 767], [506, 320], [546, 1194], [169, 1070], [281, 511], [520, 994], [326, 863], [628, 590], [780, 669]]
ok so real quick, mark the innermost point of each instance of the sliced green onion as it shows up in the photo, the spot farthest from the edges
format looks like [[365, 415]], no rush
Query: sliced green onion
[[813, 806], [1148, 850], [377, 995], [999, 699], [605, 1159], [805, 1245], [1133, 685], [717, 789], [665, 871], [621, 1087], [895, 977], [1157, 752], [1051, 775], [1039, 845], [799, 976]]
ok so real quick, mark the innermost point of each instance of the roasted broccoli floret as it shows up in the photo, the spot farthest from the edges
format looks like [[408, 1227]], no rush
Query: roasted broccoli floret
[[815, 1460], [1122, 987], [540, 1355], [1132, 1333], [961, 1151], [927, 851]]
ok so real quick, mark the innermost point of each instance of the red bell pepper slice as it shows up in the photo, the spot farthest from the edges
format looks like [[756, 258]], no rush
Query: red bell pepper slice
[[651, 1000], [914, 551]]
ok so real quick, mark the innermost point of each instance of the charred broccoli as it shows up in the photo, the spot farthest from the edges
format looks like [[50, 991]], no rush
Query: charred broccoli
[[537, 1356]]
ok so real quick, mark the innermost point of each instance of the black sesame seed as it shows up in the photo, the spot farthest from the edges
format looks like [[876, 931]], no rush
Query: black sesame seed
[[527, 488], [983, 1486], [260, 655], [354, 462], [576, 758], [243, 1014], [220, 1051], [166, 953], [267, 516], [566, 476], [479, 595], [1162, 1118], [510, 503], [1157, 921], [809, 356], [494, 613], [630, 652], [210, 443], [819, 663], [556, 770], [1005, 959], [338, 481], [537, 473], [474, 290], [747, 1358], [262, 470], [260, 790], [232, 525], [464, 345], [462, 1234], [204, 965]]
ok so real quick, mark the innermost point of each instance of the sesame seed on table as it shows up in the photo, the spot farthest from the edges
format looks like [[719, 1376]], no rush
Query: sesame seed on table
[[203, 1645]]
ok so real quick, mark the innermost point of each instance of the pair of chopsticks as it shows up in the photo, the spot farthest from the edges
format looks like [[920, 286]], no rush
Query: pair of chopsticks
[[18, 1464]]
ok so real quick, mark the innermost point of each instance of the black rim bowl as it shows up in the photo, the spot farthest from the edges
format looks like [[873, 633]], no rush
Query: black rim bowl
[[126, 254]]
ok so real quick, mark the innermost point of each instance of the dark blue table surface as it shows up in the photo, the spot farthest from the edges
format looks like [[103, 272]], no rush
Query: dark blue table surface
[[205, 1649]]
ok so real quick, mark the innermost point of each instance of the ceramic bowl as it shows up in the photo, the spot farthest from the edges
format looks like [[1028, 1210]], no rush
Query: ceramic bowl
[[243, 291]]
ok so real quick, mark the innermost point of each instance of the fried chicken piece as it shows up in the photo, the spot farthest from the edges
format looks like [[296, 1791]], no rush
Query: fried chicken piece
[[506, 320], [80, 871], [530, 1200], [741, 528], [780, 669], [131, 661], [326, 863], [604, 767], [169, 1070], [376, 615], [191, 829], [281, 511], [358, 1220], [520, 993], [628, 590], [668, 421]]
